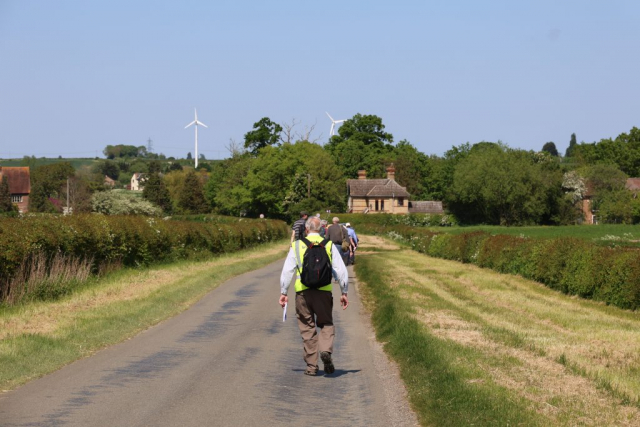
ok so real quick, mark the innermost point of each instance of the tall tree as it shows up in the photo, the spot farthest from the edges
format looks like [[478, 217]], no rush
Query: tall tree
[[264, 133], [157, 192], [5, 196], [191, 199], [47, 182], [362, 143], [497, 185], [189, 156], [572, 144], [550, 147]]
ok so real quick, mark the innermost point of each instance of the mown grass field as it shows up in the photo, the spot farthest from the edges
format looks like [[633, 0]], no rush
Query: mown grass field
[[477, 347], [39, 337], [608, 234]]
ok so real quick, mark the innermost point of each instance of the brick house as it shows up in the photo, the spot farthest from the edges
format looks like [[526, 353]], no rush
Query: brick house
[[384, 196], [19, 179], [377, 195]]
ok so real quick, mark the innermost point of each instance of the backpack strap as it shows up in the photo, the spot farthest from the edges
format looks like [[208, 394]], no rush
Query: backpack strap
[[324, 242], [298, 260], [306, 242]]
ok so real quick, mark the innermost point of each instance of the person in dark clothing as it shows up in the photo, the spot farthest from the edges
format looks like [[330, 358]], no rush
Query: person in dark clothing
[[298, 228], [338, 234]]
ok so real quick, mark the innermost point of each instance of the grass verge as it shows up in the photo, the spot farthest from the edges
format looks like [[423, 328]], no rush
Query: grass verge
[[40, 337], [477, 347]]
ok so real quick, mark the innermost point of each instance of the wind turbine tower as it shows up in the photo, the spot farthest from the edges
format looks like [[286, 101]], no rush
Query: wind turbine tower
[[196, 122], [333, 125]]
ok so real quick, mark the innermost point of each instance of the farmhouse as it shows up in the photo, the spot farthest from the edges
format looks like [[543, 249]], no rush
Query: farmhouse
[[385, 196], [137, 181], [19, 179]]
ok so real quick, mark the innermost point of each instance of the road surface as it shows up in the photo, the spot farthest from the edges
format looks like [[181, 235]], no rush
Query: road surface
[[227, 361]]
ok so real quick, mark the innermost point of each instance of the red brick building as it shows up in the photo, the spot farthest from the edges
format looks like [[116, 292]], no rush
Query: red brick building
[[19, 179]]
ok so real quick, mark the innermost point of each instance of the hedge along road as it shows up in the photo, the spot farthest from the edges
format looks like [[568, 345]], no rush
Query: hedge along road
[[229, 361]]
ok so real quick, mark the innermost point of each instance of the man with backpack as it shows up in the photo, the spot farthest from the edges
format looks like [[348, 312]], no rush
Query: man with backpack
[[340, 238], [316, 261]]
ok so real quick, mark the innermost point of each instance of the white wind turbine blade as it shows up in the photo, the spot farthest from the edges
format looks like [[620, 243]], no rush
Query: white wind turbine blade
[[330, 117], [192, 123], [333, 124], [338, 121], [201, 124]]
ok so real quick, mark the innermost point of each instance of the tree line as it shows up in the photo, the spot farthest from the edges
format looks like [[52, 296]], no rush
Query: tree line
[[278, 171]]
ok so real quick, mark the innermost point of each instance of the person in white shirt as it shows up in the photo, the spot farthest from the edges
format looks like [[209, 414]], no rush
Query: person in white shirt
[[314, 306]]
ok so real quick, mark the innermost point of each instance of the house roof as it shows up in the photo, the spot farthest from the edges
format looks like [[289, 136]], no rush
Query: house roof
[[633, 184], [19, 179], [375, 188], [431, 207]]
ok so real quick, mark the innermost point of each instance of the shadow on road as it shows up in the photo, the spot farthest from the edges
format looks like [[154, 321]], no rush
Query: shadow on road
[[336, 374]]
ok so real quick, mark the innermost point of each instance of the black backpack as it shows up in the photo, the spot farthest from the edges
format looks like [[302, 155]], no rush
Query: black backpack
[[316, 265]]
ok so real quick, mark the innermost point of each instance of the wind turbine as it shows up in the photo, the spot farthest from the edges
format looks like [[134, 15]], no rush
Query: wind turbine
[[333, 124], [196, 122]]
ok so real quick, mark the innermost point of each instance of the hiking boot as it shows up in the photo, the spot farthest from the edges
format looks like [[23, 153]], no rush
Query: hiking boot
[[325, 356], [312, 372]]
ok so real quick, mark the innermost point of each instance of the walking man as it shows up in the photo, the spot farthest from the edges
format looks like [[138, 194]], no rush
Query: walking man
[[298, 228], [353, 237], [339, 236], [314, 306]]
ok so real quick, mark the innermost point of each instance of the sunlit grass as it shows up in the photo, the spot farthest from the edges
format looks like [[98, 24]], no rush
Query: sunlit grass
[[40, 337], [558, 360]]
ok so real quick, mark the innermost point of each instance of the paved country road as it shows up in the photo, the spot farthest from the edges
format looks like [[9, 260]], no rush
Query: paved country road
[[227, 361]]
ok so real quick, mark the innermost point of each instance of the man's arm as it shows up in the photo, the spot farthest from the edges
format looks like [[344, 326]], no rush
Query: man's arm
[[287, 274], [340, 272]]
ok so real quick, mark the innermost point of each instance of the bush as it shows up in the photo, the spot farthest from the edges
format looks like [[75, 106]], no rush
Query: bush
[[570, 265], [117, 202], [127, 240]]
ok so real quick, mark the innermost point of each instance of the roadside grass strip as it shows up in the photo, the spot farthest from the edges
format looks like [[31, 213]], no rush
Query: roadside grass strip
[[476, 347], [40, 337]]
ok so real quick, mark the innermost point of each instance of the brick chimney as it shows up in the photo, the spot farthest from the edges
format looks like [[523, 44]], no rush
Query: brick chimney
[[391, 172], [362, 174]]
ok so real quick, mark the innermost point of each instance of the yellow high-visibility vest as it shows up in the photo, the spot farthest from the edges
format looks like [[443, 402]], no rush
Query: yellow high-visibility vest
[[299, 248]]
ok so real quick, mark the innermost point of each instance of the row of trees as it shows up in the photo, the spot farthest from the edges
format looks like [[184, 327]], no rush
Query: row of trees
[[278, 171]]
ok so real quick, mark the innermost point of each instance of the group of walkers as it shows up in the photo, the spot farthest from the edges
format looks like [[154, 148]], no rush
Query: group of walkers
[[344, 237], [318, 253]]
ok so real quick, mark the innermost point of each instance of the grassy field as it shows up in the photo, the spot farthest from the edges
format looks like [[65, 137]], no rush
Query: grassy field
[[38, 338], [481, 348], [601, 233], [77, 163]]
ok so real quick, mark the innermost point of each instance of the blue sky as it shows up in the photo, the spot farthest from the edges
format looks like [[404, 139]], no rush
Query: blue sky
[[78, 75]]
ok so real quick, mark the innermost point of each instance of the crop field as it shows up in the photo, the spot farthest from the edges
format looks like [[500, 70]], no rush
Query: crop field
[[476, 347]]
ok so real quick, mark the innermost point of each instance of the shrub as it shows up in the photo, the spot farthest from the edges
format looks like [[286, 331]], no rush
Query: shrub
[[103, 241], [570, 265], [116, 202]]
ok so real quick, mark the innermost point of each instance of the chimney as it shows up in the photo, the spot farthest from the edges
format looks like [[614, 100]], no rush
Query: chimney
[[391, 172], [362, 174]]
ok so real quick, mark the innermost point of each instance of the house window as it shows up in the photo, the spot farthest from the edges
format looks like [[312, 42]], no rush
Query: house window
[[16, 199], [381, 205], [400, 201], [376, 204]]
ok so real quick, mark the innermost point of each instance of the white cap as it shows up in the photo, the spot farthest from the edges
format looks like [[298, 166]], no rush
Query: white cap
[[348, 224]]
